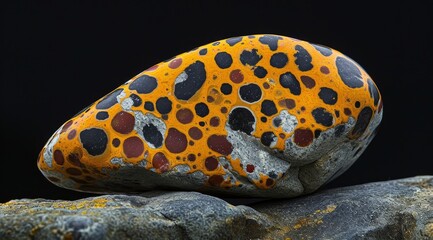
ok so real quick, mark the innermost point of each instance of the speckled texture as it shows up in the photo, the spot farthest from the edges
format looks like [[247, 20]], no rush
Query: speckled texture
[[258, 115], [398, 209]]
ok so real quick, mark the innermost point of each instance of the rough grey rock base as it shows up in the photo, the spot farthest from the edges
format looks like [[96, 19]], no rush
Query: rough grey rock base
[[398, 209]]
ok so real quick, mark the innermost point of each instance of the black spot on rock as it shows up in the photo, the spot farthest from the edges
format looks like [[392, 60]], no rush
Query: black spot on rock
[[163, 105], [277, 122], [152, 135], [303, 59], [203, 51], [271, 41], [242, 119], [260, 72], [223, 60], [195, 77], [109, 100], [250, 57], [201, 109], [328, 95], [144, 84], [250, 92], [226, 88], [374, 93], [149, 106], [325, 51], [102, 115], [288, 80], [279, 60], [136, 99], [233, 41], [349, 73], [267, 138], [94, 140], [362, 122], [268, 108], [323, 117]]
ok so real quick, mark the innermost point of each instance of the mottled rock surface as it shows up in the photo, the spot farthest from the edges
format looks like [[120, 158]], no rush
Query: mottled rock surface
[[398, 209]]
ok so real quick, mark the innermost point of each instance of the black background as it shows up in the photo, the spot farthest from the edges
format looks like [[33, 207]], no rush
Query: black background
[[56, 58]]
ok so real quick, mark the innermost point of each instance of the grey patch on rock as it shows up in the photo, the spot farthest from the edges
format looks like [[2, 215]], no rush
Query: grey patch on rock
[[145, 119], [120, 96], [181, 78], [48, 153], [288, 121], [127, 104]]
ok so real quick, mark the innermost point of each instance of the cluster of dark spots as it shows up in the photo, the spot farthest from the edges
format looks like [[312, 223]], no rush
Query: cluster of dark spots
[[175, 63], [287, 103], [250, 57], [267, 138], [219, 144], [133, 147], [288, 80], [328, 95], [123, 122], [102, 115], [279, 60], [317, 133], [260, 72], [374, 93], [176, 141], [160, 162], [323, 117], [339, 130], [215, 180], [109, 100], [184, 115], [223, 60], [202, 52], [325, 51], [211, 163], [357, 104], [144, 84], [75, 156], [242, 119], [201, 109], [58, 157], [115, 142], [277, 122], [152, 135], [136, 100], [214, 121], [250, 93], [303, 137], [149, 106], [226, 88], [362, 122], [232, 41], [349, 73], [163, 105], [72, 134], [236, 76], [94, 140], [195, 77], [308, 81], [271, 41], [303, 59], [268, 108]]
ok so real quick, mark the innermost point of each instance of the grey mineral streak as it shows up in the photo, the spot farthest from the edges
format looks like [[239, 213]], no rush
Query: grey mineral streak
[[398, 209]]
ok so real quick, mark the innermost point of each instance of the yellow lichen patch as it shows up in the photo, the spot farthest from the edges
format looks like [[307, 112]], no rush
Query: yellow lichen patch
[[315, 218], [86, 204]]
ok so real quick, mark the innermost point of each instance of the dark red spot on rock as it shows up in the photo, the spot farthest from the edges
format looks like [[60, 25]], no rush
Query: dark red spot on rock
[[123, 122], [175, 141], [73, 171], [214, 121], [302, 120], [308, 81], [215, 180], [191, 157], [250, 168], [75, 157], [184, 116], [66, 126], [58, 157], [224, 110], [210, 99], [72, 134], [115, 142], [303, 137], [195, 133], [347, 112], [269, 182], [236, 76], [282, 135], [287, 103], [266, 85], [211, 163], [175, 63], [153, 68], [160, 162], [133, 147], [324, 70], [219, 144]]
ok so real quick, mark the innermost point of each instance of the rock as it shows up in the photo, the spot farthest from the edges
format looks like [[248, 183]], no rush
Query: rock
[[398, 209], [257, 116]]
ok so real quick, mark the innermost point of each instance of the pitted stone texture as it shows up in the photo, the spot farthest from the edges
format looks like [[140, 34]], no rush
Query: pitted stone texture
[[399, 209]]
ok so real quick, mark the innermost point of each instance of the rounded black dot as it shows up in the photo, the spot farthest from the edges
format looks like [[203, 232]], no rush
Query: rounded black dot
[[202, 124], [357, 104], [223, 60], [242, 119], [268, 138], [94, 140], [226, 88], [163, 105], [203, 51], [201, 109], [268, 108], [102, 115], [260, 72], [264, 119], [279, 60], [277, 122], [149, 106], [328, 95], [250, 93]]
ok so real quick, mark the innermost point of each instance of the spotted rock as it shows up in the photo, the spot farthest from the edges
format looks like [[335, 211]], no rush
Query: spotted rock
[[258, 115]]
